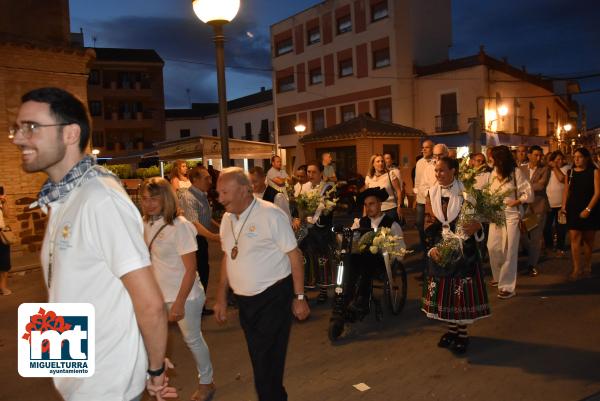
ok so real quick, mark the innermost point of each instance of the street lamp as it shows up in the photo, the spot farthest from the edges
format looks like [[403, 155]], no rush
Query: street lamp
[[218, 13], [300, 128]]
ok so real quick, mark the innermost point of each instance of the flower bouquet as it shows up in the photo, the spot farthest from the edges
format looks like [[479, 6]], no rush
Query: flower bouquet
[[313, 203], [382, 241], [481, 205]]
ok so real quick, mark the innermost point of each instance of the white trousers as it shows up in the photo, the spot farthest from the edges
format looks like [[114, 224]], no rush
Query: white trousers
[[503, 248]]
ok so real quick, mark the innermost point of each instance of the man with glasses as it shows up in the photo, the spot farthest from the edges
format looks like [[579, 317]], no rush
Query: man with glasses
[[94, 250], [477, 160]]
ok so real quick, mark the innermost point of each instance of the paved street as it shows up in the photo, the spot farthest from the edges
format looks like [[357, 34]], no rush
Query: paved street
[[543, 344]]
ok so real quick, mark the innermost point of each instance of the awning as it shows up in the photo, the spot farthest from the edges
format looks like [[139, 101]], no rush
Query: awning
[[210, 148], [499, 138]]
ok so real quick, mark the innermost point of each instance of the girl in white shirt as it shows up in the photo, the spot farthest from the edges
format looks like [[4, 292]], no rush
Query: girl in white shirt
[[171, 240], [379, 176], [554, 190]]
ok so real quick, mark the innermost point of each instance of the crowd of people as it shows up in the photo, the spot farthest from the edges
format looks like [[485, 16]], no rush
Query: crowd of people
[[141, 271]]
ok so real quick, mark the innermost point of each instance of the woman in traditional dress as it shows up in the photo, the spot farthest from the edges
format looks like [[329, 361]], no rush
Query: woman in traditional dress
[[171, 240], [503, 241], [454, 293]]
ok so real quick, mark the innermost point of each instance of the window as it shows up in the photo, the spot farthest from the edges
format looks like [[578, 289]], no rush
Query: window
[[230, 130], [286, 84], [248, 131], [214, 132], [379, 11], [184, 133], [94, 78], [286, 124], [317, 118], [345, 67], [264, 134], [383, 109], [344, 24], [316, 76], [347, 112], [284, 46], [381, 58], [313, 35], [95, 108], [98, 139]]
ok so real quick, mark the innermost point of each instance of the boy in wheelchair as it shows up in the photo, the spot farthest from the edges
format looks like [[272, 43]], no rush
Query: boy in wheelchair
[[362, 268]]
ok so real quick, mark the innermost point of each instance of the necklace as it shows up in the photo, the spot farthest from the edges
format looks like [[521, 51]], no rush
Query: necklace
[[234, 250]]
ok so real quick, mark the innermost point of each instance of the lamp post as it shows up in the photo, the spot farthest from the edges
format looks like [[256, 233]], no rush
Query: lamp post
[[300, 128], [218, 13]]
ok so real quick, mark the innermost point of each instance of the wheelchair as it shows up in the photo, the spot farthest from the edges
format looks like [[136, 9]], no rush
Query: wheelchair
[[389, 284]]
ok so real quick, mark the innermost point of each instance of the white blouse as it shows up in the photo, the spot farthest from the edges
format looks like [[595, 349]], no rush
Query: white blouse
[[384, 181], [174, 241], [507, 185]]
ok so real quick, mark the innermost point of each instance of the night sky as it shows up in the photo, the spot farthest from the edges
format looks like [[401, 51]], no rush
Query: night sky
[[556, 38]]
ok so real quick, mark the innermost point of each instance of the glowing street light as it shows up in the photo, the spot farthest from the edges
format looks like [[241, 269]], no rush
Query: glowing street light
[[567, 127], [218, 13], [300, 128], [502, 111]]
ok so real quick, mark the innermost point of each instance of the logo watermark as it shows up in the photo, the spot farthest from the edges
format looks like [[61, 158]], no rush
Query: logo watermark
[[56, 340]]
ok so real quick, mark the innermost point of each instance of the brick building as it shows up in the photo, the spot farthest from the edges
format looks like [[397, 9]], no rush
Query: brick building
[[126, 102], [34, 52]]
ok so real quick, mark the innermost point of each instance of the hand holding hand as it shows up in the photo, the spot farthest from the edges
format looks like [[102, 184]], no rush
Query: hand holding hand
[[158, 386]]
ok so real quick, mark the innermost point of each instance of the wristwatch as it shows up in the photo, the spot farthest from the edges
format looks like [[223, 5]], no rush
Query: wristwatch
[[300, 297], [157, 372]]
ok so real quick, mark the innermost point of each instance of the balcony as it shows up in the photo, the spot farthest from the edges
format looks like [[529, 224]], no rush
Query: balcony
[[534, 126], [520, 125], [550, 128], [446, 123]]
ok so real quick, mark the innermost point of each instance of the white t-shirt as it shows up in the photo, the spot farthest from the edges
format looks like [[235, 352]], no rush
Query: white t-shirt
[[263, 244], [174, 241], [274, 173], [384, 181], [98, 239], [423, 178], [554, 190]]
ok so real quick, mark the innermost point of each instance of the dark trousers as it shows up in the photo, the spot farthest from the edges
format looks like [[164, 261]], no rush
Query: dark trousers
[[561, 230], [266, 319], [202, 261]]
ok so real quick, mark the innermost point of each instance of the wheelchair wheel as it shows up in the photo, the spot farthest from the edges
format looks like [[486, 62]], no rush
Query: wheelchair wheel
[[336, 328], [395, 290]]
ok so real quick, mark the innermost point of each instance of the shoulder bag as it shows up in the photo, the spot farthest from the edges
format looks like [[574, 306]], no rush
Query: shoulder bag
[[530, 220]]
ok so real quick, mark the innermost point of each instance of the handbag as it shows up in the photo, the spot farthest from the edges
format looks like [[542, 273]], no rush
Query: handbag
[[399, 219], [530, 220], [7, 236]]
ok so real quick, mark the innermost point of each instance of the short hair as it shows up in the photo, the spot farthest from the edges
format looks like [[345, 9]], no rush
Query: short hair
[[302, 167], [274, 157], [443, 146], [237, 174], [533, 148], [158, 186], [257, 170], [316, 164], [450, 162], [65, 108], [555, 154], [196, 173]]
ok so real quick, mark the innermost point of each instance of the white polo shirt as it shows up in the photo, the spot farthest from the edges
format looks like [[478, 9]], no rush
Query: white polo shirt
[[173, 241], [423, 178], [263, 244], [99, 239]]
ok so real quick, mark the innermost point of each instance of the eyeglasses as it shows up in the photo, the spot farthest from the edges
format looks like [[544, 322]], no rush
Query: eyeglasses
[[27, 129], [438, 155]]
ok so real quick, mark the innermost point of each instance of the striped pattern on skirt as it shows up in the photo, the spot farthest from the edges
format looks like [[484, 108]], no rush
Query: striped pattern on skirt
[[455, 299]]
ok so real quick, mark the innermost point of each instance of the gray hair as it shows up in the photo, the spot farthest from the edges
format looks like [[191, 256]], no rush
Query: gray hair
[[237, 174]]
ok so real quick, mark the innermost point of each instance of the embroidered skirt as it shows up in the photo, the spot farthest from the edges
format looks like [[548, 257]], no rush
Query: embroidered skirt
[[459, 300]]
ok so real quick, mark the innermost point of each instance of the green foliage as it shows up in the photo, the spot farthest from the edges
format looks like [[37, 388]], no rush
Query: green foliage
[[149, 172], [122, 171]]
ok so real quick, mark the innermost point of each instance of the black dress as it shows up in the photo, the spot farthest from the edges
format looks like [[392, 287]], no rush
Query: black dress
[[581, 190]]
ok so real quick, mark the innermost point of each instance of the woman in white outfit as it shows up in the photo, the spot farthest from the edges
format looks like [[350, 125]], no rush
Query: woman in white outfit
[[171, 240], [503, 242]]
